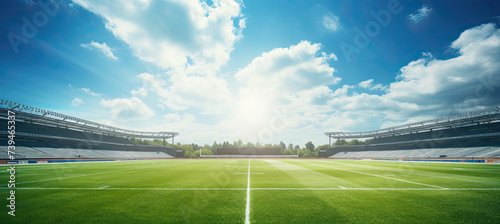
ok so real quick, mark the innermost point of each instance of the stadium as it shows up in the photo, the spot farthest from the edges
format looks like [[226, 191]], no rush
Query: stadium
[[469, 137], [234, 111], [70, 159], [54, 137]]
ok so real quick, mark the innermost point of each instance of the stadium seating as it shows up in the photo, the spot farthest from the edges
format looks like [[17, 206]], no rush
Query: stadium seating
[[472, 152], [452, 132], [30, 149], [64, 132]]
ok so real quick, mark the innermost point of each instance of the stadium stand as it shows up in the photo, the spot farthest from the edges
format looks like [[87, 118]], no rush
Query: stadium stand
[[43, 134], [474, 134]]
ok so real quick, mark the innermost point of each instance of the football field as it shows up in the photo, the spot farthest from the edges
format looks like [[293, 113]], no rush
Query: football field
[[253, 191]]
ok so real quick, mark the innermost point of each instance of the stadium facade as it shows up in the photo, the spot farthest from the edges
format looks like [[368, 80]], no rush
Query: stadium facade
[[468, 137], [47, 136]]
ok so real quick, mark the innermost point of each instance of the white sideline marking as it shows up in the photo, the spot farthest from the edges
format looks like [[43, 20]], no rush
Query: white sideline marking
[[128, 188], [472, 169], [377, 189], [257, 189], [247, 210], [103, 187], [375, 175], [342, 187]]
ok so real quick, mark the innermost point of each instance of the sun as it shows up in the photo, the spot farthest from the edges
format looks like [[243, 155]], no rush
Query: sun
[[252, 113]]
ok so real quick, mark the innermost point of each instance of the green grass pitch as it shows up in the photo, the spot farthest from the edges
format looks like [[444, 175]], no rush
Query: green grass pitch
[[280, 191]]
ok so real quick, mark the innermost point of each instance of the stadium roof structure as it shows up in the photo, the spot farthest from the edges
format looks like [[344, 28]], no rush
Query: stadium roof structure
[[488, 115], [46, 117]]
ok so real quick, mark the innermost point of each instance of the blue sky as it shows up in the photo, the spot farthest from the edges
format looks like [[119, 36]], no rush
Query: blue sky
[[264, 71]]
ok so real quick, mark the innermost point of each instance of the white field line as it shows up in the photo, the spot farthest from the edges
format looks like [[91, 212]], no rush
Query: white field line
[[246, 173], [454, 176], [474, 169], [255, 189], [59, 178], [247, 210], [376, 189], [127, 188], [375, 175]]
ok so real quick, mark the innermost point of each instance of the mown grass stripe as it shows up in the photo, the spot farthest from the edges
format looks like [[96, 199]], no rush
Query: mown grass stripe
[[375, 175], [83, 175]]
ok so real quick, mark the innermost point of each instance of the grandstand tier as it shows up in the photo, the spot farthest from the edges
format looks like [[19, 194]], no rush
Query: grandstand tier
[[468, 135], [43, 134]]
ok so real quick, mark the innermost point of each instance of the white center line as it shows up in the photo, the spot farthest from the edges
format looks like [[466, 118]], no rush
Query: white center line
[[247, 210]]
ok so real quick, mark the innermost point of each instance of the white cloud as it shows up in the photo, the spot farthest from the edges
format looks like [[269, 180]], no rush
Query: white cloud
[[191, 35], [89, 92], [292, 87], [331, 22], [126, 109], [420, 15], [288, 70], [184, 118], [428, 87], [76, 102], [208, 93], [139, 92], [368, 84], [102, 48], [475, 73], [172, 117], [295, 78]]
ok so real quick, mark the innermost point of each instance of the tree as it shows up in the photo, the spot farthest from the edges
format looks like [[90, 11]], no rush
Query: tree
[[308, 154], [158, 141], [354, 142], [282, 146], [310, 146], [239, 144], [188, 154], [257, 145], [290, 147], [321, 147], [206, 146]]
